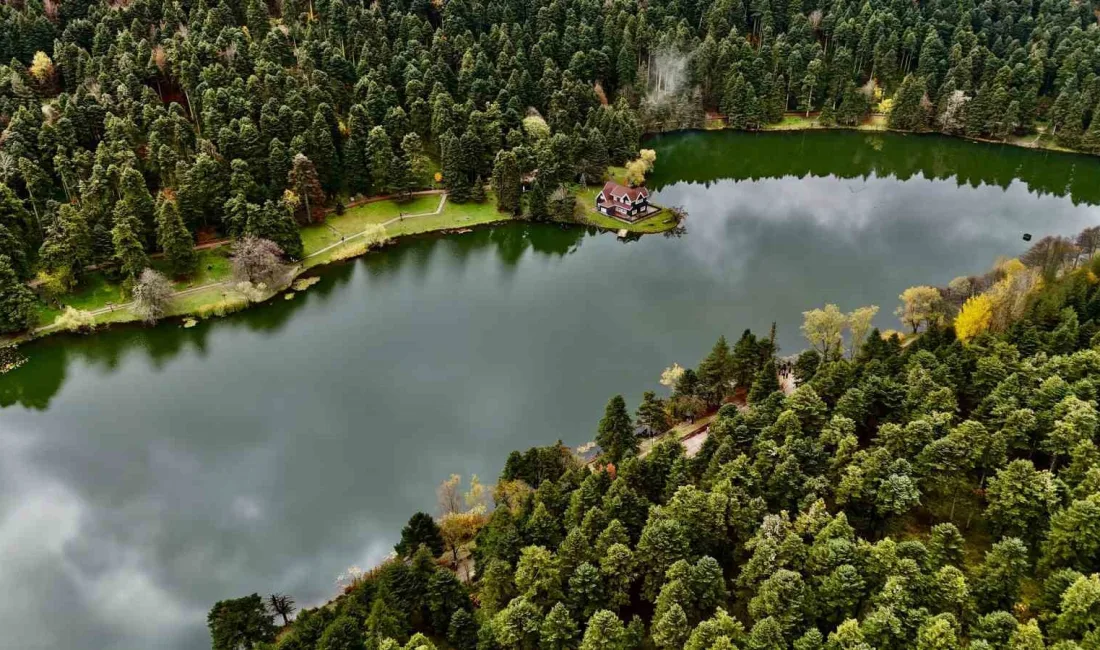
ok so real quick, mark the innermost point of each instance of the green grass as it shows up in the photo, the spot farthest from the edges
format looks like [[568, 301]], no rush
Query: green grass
[[356, 219], [96, 291], [213, 266], [586, 213], [453, 216]]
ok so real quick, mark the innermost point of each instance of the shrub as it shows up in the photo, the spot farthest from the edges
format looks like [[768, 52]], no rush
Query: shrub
[[75, 320]]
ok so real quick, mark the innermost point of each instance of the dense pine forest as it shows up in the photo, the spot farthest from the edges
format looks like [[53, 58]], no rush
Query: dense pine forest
[[140, 127], [938, 493]]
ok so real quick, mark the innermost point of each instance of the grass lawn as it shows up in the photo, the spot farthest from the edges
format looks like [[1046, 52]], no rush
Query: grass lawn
[[356, 219], [213, 266], [586, 198], [453, 215], [97, 291], [94, 292]]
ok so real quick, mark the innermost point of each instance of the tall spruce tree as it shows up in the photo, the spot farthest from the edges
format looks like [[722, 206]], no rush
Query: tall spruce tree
[[173, 238]]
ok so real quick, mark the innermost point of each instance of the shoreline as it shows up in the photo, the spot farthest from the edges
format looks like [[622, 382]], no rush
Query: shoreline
[[218, 299], [1035, 141]]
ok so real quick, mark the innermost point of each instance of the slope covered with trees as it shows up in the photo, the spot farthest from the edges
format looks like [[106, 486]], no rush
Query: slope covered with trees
[[938, 494], [134, 127]]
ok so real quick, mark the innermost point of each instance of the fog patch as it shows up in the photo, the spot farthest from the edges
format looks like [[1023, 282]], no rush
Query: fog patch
[[668, 74]]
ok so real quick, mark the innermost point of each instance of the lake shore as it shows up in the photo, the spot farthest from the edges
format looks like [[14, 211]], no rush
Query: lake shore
[[211, 292], [877, 124]]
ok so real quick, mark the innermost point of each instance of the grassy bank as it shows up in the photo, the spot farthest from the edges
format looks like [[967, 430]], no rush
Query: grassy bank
[[800, 122], [209, 291]]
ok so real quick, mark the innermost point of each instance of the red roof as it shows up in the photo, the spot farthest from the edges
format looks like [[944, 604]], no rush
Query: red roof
[[623, 194]]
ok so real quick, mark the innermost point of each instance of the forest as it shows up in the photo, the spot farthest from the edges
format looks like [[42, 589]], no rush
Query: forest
[[136, 128], [935, 491]]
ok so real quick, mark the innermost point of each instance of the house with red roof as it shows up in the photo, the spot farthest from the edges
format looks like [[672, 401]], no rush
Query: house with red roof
[[622, 202]]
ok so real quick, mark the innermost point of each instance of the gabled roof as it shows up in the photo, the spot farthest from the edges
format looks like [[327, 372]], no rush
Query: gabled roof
[[623, 194]]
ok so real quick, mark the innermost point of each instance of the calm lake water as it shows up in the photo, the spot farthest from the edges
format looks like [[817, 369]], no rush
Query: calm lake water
[[146, 473]]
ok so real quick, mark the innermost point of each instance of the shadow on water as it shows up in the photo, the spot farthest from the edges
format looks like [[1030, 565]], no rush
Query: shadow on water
[[705, 157], [35, 384]]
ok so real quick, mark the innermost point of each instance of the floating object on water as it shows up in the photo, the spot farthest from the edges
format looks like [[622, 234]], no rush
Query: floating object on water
[[623, 233], [1027, 236]]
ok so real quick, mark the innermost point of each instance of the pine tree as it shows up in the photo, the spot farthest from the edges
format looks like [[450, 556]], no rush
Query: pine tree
[[278, 167], [538, 208], [357, 172], [652, 413], [173, 238], [909, 112], [16, 300], [139, 202], [274, 220], [454, 171], [68, 243], [506, 182], [413, 149], [322, 152], [764, 383], [616, 433], [302, 179], [382, 163], [559, 630], [477, 191], [129, 252]]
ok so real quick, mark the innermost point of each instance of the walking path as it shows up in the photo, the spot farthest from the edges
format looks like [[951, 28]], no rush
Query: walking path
[[343, 240]]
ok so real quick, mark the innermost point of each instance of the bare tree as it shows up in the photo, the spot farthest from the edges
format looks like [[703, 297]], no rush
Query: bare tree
[[1089, 241], [952, 119], [152, 294], [449, 496], [257, 260], [281, 605], [1050, 254]]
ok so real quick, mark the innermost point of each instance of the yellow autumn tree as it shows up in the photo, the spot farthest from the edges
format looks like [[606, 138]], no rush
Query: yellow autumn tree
[[637, 169], [42, 67], [974, 318]]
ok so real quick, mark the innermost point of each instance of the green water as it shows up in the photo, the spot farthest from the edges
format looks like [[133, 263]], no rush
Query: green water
[[146, 473]]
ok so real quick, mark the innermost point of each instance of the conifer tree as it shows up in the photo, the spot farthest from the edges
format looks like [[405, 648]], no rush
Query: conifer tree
[[16, 300], [506, 182], [173, 238], [382, 163], [302, 180], [129, 252], [454, 170], [616, 433]]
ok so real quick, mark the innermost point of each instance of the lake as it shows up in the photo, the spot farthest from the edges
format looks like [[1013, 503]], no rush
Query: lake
[[147, 472]]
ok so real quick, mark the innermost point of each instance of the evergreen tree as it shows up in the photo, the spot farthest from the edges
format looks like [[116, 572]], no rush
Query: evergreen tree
[[477, 191], [506, 182], [420, 531], [537, 205], [128, 249], [652, 413], [454, 170], [302, 180], [616, 433], [17, 311], [382, 162], [173, 238], [764, 383]]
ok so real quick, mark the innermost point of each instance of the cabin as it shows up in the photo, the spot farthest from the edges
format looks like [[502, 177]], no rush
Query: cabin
[[624, 203]]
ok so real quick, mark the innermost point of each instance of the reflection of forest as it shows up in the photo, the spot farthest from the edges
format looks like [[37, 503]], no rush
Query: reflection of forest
[[35, 384], [705, 157]]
